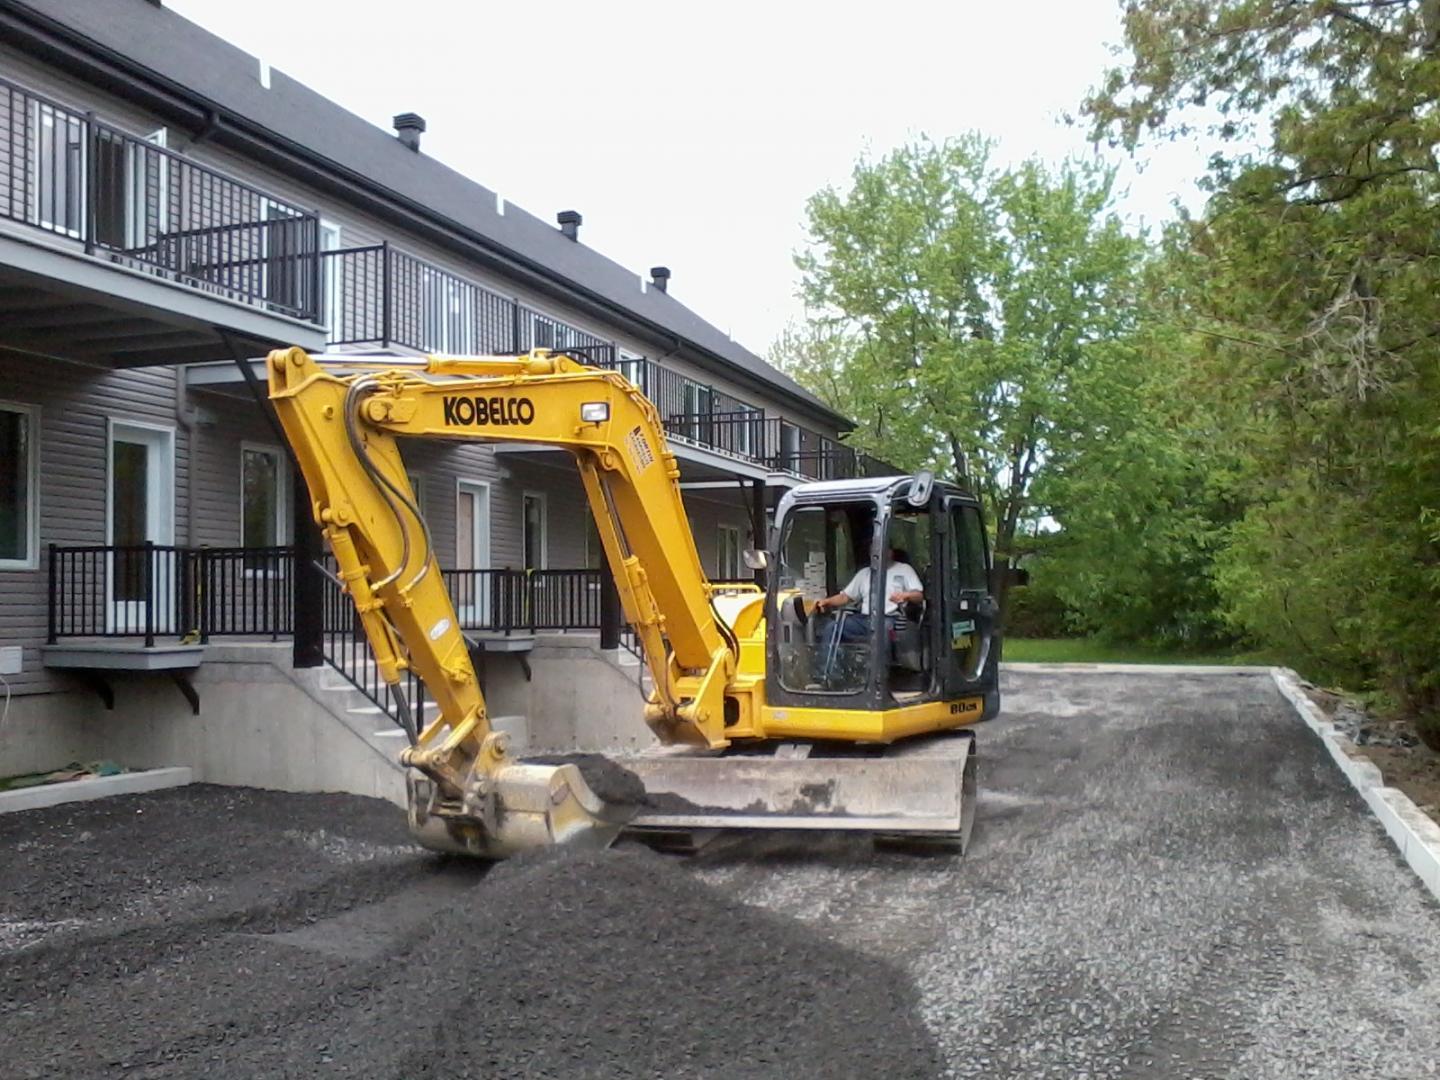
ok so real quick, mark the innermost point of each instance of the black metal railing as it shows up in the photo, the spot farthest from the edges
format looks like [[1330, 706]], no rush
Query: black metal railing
[[509, 601], [788, 447], [124, 197], [347, 651], [382, 296], [149, 590]]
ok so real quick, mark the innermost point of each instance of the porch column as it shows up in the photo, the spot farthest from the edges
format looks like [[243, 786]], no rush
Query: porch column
[[307, 584], [758, 539]]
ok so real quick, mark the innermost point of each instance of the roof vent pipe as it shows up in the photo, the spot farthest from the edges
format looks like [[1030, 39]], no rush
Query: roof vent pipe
[[570, 221], [408, 127], [660, 278]]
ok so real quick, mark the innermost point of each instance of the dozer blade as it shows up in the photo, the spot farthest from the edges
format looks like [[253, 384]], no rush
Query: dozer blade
[[527, 807], [921, 790]]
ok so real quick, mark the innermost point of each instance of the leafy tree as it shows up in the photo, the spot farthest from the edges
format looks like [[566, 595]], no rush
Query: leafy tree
[[971, 318], [1311, 281]]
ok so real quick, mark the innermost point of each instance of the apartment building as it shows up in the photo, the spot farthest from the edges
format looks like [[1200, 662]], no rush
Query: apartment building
[[171, 209]]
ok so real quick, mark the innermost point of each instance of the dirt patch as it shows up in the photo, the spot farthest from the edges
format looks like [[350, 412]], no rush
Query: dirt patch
[[1392, 744]]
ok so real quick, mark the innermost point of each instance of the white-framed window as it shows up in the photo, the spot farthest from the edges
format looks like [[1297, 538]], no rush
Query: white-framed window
[[727, 558], [417, 485], [264, 496], [697, 404], [19, 486], [58, 196], [333, 310], [534, 548]]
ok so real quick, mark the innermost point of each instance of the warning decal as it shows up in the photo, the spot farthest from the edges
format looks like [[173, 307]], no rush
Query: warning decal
[[640, 449]]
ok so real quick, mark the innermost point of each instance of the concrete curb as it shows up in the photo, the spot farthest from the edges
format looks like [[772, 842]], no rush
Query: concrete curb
[[99, 787], [1413, 833], [1135, 669]]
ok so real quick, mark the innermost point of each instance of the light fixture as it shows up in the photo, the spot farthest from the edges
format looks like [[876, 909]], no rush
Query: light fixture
[[594, 412]]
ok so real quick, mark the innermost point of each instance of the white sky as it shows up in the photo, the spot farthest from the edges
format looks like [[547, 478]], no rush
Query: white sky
[[690, 136]]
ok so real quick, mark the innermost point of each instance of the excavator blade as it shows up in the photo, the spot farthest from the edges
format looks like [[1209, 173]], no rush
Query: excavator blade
[[920, 790], [529, 806]]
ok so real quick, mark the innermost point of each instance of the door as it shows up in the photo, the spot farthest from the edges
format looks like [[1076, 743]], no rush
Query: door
[[968, 633], [474, 589], [141, 508], [132, 193]]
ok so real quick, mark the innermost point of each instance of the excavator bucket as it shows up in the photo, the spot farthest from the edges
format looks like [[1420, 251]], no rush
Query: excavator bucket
[[527, 806], [922, 790]]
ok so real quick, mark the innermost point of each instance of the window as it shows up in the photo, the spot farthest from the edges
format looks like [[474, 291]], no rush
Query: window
[[634, 368], [19, 475], [262, 497], [532, 539], [698, 404], [59, 170], [594, 549], [417, 486], [727, 561], [821, 548], [333, 312], [968, 558]]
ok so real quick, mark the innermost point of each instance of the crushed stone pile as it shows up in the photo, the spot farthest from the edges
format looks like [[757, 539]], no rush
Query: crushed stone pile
[[611, 964], [223, 933]]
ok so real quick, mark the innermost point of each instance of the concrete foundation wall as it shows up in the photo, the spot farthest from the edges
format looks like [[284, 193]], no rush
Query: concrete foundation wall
[[263, 724], [260, 725]]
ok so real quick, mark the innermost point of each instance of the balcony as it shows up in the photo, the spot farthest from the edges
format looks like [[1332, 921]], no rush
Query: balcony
[[383, 297], [149, 252]]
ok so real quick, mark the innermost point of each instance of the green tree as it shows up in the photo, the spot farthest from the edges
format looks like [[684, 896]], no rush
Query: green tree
[[970, 318], [1311, 280]]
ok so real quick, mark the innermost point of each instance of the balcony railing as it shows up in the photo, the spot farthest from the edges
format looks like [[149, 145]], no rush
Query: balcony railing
[[130, 199], [159, 590], [385, 297], [155, 591]]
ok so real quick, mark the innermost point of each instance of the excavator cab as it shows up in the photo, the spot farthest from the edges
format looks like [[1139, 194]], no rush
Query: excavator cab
[[885, 650]]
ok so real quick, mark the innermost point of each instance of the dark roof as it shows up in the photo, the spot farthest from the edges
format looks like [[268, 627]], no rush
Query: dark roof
[[197, 63]]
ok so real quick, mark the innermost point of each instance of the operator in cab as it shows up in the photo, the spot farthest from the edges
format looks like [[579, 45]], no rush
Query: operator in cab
[[902, 586]]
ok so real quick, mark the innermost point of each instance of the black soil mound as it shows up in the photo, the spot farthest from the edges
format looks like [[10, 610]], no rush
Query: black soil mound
[[610, 782]]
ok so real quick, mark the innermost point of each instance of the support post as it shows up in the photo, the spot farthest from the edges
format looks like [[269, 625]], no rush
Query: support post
[[53, 568], [386, 272], [757, 523], [308, 599], [147, 589], [609, 610]]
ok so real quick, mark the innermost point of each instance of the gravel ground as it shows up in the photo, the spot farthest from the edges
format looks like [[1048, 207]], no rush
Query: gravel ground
[[1167, 878]]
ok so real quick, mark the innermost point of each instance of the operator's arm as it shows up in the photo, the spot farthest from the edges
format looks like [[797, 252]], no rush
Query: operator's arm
[[912, 590], [848, 595]]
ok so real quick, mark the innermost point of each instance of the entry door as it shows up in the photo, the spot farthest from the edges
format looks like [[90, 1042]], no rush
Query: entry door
[[141, 501], [472, 543], [971, 614]]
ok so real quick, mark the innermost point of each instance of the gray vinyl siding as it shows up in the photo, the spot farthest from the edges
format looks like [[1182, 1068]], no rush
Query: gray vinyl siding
[[75, 406], [75, 403]]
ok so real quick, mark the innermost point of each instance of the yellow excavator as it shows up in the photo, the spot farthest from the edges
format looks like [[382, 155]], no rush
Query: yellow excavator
[[782, 708]]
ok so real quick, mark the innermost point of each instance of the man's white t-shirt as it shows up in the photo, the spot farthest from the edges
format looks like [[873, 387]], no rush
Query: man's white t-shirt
[[899, 577]]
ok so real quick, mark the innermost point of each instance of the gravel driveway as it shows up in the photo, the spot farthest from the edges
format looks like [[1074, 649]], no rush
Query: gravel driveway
[[1168, 878]]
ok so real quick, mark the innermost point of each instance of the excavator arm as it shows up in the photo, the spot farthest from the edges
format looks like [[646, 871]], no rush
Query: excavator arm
[[344, 423]]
